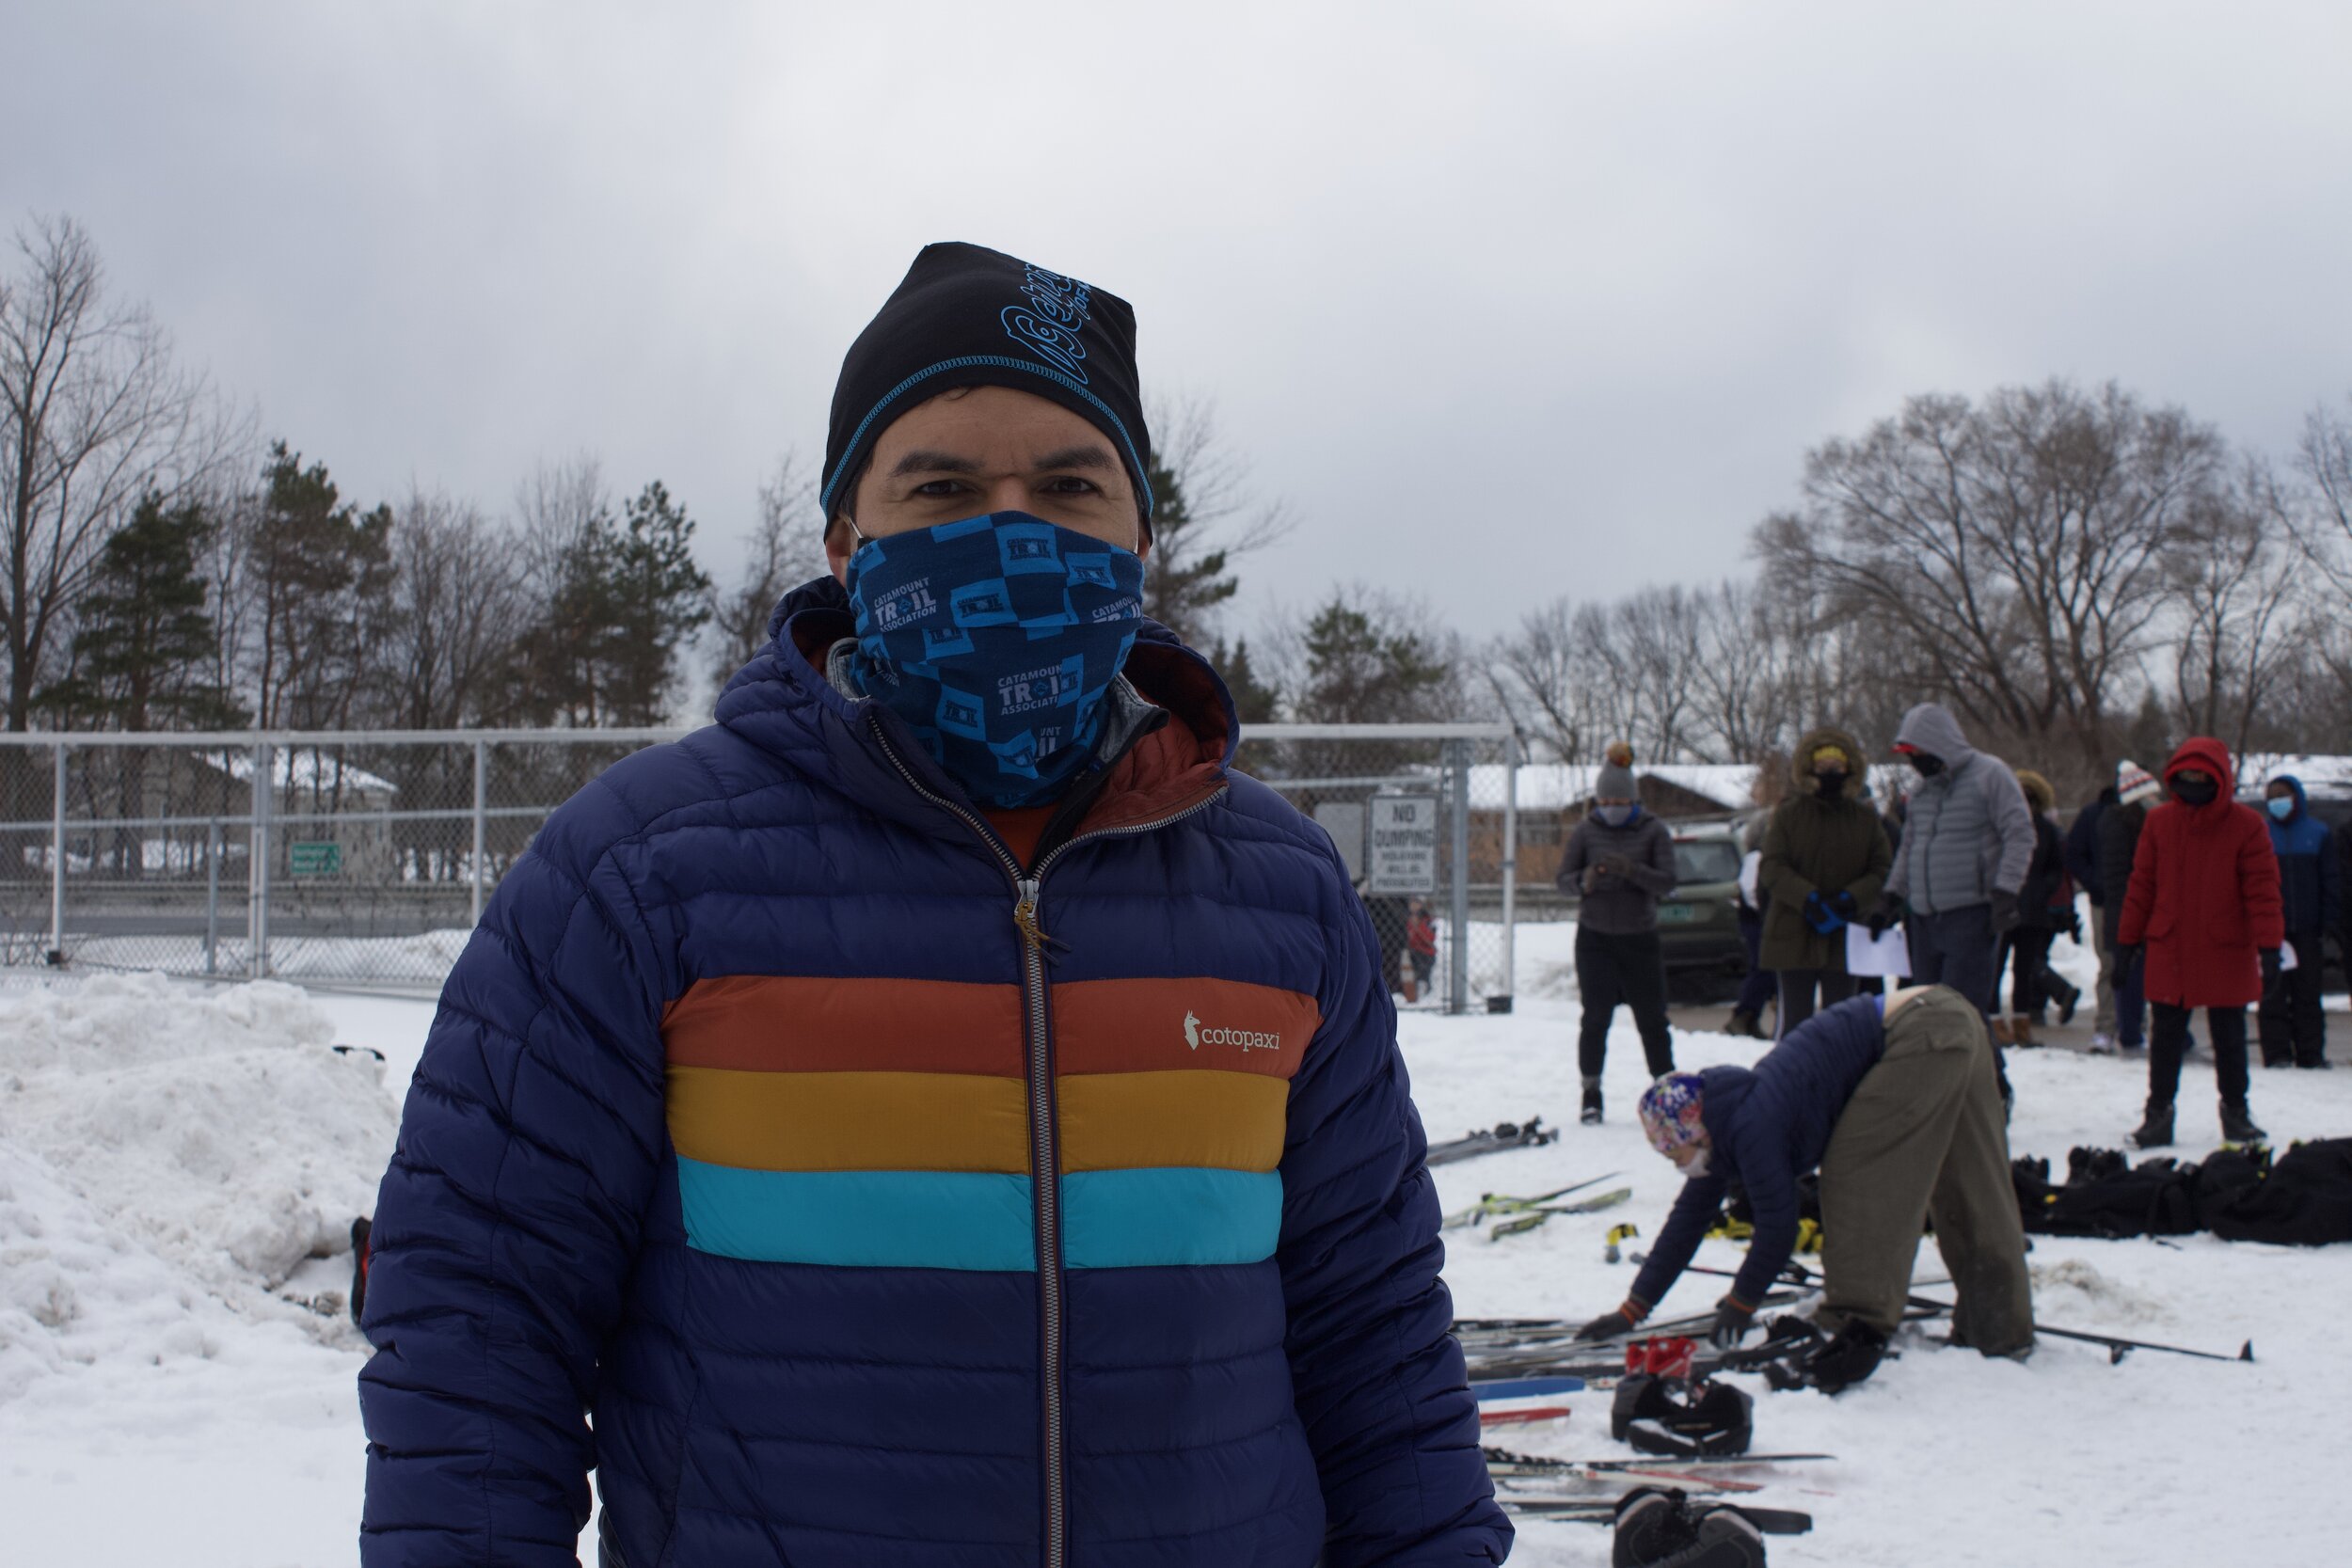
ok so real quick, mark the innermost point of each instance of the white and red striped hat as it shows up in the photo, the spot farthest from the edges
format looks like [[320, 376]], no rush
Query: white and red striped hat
[[2136, 783]]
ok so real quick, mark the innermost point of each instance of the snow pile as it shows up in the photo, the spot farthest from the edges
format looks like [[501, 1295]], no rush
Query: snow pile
[[170, 1156]]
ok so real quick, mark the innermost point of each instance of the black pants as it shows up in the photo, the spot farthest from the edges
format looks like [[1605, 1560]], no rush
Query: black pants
[[2033, 985], [1956, 948], [2292, 1027], [1630, 969], [1797, 988], [1756, 989], [2168, 1038]]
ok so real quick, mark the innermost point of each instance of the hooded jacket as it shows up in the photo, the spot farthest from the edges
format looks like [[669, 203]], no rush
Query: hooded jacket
[[2205, 891], [2082, 847], [2308, 892], [1967, 831], [1770, 1125], [1813, 844], [2120, 826], [884, 1200], [1624, 903]]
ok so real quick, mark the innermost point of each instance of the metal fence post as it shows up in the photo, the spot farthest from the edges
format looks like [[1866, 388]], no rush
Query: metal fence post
[[1458, 981], [1500, 1002], [481, 821], [257, 863], [212, 899], [57, 860]]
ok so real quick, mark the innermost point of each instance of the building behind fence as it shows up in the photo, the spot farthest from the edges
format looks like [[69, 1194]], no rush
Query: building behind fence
[[364, 857]]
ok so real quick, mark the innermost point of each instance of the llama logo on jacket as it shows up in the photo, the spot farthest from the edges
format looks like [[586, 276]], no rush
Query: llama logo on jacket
[[1246, 1039]]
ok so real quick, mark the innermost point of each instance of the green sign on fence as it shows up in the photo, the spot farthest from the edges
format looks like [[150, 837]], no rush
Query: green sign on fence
[[314, 858]]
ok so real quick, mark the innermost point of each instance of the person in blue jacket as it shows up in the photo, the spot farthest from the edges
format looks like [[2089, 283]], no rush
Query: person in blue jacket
[[939, 1114], [2293, 1029], [1894, 1102]]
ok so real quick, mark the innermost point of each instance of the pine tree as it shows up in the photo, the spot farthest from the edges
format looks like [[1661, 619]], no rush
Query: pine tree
[[321, 568], [1357, 672], [1255, 701], [627, 597], [1183, 584], [144, 639]]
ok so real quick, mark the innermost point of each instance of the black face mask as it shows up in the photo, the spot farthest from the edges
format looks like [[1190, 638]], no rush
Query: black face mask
[[2190, 792], [1927, 763], [1829, 787]]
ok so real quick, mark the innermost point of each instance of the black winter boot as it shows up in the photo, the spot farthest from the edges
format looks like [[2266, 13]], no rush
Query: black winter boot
[[1591, 1116], [2237, 1124], [2157, 1130]]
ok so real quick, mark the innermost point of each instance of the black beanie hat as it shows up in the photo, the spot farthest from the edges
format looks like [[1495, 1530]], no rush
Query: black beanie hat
[[968, 316]]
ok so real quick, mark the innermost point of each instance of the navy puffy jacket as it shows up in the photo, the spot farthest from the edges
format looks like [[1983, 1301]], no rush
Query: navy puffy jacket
[[718, 1176], [1769, 1125], [2306, 848]]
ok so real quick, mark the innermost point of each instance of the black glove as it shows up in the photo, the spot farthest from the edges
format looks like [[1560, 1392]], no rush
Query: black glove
[[1616, 1321], [1889, 912], [1732, 1322], [2005, 912], [1842, 904], [2075, 927], [2270, 970], [2124, 958]]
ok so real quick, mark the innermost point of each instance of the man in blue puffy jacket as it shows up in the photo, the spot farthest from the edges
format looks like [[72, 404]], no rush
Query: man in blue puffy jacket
[[938, 1114], [2293, 1029], [1894, 1100]]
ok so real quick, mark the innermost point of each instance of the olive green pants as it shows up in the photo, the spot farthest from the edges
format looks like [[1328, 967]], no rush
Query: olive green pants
[[1923, 1138]]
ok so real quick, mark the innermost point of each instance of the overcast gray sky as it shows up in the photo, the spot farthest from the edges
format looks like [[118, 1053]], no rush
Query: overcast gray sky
[[1506, 299]]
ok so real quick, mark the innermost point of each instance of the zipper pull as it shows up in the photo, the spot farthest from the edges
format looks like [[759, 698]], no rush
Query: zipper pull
[[1025, 914]]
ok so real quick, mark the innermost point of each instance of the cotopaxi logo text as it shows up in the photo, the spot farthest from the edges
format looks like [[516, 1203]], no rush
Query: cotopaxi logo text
[[1196, 1036]]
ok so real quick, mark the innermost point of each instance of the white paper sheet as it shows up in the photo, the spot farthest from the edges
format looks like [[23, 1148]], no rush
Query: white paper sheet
[[1890, 956], [2286, 957]]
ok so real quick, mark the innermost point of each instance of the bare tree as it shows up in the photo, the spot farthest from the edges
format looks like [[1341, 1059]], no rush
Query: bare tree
[[458, 611], [2320, 518], [2017, 548], [788, 549], [93, 415], [2234, 577], [1206, 517]]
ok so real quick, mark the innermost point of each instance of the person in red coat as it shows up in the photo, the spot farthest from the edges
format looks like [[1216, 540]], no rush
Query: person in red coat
[[2204, 902]]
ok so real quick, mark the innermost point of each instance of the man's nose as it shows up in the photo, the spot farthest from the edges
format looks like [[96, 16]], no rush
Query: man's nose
[[1007, 493]]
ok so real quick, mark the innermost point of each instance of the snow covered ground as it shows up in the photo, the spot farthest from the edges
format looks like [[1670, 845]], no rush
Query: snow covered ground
[[176, 1376]]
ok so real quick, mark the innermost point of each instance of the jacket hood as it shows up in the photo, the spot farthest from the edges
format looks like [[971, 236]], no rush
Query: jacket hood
[[2295, 787], [2204, 751], [1930, 728], [1801, 760], [2038, 795]]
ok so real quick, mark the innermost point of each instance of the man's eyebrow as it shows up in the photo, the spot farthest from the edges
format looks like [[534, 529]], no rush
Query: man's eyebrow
[[920, 461], [1089, 456]]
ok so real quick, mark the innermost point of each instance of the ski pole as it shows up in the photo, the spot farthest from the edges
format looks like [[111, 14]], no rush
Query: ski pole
[[2116, 1347]]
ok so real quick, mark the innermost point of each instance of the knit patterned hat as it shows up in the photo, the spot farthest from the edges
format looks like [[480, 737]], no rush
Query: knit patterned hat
[[1670, 1112], [2134, 784]]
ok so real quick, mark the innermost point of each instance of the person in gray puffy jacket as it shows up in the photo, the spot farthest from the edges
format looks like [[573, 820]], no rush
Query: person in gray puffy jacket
[[1620, 861], [1969, 839]]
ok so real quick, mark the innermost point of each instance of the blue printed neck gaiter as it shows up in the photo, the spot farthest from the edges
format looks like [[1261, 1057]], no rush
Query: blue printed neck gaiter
[[995, 638]]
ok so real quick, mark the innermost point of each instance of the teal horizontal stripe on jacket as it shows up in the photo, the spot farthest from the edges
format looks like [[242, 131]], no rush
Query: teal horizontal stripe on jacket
[[915, 1219]]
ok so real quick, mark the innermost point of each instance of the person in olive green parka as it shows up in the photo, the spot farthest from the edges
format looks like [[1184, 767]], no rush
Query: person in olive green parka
[[1825, 858]]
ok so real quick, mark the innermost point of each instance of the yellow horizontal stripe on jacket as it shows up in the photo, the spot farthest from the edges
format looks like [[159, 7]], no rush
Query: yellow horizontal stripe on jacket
[[850, 1120], [1138, 1120]]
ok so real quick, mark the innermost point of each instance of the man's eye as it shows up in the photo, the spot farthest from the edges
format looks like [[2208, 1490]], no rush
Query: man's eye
[[1071, 485], [936, 487]]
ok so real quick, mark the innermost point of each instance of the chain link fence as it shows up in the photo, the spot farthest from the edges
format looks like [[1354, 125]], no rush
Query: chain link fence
[[363, 857]]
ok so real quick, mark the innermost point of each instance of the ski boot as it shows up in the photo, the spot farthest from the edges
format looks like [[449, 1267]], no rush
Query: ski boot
[[1590, 1116], [2237, 1124], [2155, 1131]]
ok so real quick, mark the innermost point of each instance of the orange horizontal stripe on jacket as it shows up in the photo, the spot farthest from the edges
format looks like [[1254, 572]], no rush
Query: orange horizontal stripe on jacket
[[1187, 1024], [939, 1121], [832, 1023]]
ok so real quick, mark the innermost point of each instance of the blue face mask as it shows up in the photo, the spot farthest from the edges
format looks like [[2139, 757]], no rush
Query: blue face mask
[[997, 640], [2281, 806]]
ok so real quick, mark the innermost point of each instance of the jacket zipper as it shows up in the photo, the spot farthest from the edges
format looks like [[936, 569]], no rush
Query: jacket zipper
[[1044, 1156]]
